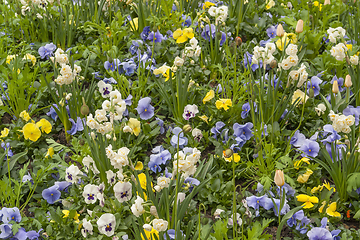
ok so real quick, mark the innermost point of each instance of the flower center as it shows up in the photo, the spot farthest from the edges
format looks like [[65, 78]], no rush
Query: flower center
[[108, 227]]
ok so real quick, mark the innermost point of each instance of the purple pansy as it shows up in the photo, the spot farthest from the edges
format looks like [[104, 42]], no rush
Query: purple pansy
[[310, 148], [144, 108], [51, 194]]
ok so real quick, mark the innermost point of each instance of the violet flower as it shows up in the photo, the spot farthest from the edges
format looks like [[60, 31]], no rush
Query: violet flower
[[155, 37], [310, 148], [144, 108], [51, 194], [314, 83], [216, 130], [178, 138]]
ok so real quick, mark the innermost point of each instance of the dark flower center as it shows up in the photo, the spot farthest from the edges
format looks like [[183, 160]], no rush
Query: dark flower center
[[108, 227], [124, 194], [69, 176], [106, 91], [91, 197]]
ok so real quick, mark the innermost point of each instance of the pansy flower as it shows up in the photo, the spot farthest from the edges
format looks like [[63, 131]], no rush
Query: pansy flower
[[51, 194], [223, 103], [307, 200], [123, 191], [90, 192], [106, 224], [144, 108], [190, 111]]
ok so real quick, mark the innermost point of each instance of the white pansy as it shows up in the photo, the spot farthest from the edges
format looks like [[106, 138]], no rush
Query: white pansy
[[87, 228], [217, 213], [106, 224], [123, 191], [104, 89], [110, 175], [71, 174], [89, 193]]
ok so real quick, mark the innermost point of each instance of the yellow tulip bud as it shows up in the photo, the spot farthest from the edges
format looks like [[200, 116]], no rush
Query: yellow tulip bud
[[348, 82], [299, 26], [279, 178], [327, 2], [280, 31], [335, 87]]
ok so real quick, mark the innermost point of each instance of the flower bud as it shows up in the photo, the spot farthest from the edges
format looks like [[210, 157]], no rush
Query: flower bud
[[228, 153], [273, 63], [327, 2], [187, 128], [348, 82], [335, 87], [153, 211], [299, 26], [311, 93], [93, 135], [279, 178], [238, 41], [84, 110], [280, 31]]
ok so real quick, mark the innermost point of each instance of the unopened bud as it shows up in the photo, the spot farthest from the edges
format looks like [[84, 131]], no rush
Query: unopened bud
[[153, 211], [311, 93], [238, 41], [347, 60], [273, 63], [348, 82], [327, 2], [280, 31], [228, 153], [279, 178], [299, 26], [84, 110], [187, 128], [335, 87], [92, 135]]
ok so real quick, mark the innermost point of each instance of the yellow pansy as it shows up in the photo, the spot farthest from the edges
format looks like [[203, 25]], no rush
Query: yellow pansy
[[66, 214], [297, 164], [182, 36], [288, 37], [305, 177], [134, 124], [208, 4], [299, 94], [164, 70], [134, 24], [24, 115], [349, 46], [45, 125], [30, 57], [4, 133], [235, 156], [139, 166], [317, 4], [50, 152], [223, 103], [321, 208], [150, 235], [209, 95], [331, 210], [31, 131], [307, 200], [204, 118]]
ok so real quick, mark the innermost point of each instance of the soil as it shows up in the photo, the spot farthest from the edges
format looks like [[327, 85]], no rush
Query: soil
[[286, 232], [6, 119]]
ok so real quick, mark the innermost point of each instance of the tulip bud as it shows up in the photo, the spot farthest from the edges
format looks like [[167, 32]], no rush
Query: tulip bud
[[327, 2], [335, 87], [84, 110], [238, 41], [273, 63], [348, 82], [147, 227], [187, 128], [228, 153], [279, 178], [299, 26], [280, 31]]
